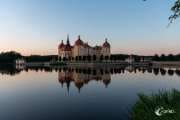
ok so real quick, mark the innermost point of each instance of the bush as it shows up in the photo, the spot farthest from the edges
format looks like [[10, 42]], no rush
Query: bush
[[145, 107]]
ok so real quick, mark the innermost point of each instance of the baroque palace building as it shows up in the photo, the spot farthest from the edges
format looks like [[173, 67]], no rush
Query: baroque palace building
[[83, 51]]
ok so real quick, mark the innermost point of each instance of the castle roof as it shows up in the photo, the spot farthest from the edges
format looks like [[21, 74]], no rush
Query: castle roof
[[79, 41], [86, 45], [97, 47], [67, 48], [106, 44], [61, 45]]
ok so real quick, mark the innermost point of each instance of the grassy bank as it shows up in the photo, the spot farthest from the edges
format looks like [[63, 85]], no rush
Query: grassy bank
[[146, 106]]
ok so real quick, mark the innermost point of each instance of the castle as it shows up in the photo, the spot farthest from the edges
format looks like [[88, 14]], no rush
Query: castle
[[83, 51]]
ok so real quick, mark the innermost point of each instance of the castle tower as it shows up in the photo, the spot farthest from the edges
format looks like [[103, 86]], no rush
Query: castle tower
[[106, 48], [68, 42]]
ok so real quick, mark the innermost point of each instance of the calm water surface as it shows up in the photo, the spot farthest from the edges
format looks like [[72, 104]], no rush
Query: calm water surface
[[78, 93]]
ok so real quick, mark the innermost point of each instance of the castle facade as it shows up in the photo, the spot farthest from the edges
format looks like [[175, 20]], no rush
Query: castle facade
[[83, 51]]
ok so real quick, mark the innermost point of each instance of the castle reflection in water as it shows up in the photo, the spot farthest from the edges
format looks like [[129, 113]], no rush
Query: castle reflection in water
[[81, 76]]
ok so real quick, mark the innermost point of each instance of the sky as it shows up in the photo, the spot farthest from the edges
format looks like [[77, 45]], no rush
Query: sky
[[131, 26]]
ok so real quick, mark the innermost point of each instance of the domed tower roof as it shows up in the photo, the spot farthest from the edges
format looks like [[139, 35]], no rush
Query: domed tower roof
[[106, 44], [79, 41], [61, 45]]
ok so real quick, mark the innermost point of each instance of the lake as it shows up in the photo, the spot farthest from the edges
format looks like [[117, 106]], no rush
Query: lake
[[79, 93]]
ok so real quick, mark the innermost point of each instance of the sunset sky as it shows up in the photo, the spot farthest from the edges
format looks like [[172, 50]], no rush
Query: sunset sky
[[132, 26]]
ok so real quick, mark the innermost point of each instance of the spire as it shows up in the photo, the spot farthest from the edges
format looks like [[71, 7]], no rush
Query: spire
[[106, 44], [68, 37], [62, 84], [79, 37], [68, 43], [68, 86], [79, 90]]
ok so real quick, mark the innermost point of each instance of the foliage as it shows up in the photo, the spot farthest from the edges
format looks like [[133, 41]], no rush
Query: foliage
[[118, 57], [38, 58], [9, 57], [8, 69], [169, 57], [145, 107], [176, 11]]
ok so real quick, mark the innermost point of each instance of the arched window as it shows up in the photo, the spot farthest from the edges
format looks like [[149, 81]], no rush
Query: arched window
[[106, 58], [60, 58], [101, 58], [94, 57], [76, 58], [80, 58]]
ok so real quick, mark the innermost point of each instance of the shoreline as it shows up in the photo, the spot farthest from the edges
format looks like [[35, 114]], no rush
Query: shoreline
[[85, 64], [166, 64]]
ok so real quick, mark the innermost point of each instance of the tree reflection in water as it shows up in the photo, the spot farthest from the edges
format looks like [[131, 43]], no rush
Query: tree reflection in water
[[81, 76], [170, 72], [9, 69]]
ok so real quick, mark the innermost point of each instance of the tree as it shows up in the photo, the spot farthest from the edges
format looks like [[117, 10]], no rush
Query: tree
[[171, 57], [156, 57], [175, 9], [9, 57], [163, 57]]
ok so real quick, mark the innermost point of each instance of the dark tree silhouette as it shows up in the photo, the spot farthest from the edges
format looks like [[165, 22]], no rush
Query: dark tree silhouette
[[175, 9], [9, 57]]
